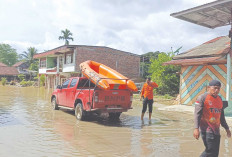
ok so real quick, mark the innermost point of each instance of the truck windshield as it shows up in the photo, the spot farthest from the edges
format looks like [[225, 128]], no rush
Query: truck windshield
[[84, 83]]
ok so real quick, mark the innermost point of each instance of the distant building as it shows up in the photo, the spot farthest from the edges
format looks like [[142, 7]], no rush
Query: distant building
[[63, 62], [199, 66], [12, 72]]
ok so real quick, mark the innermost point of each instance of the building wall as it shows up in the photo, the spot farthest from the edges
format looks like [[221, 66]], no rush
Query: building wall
[[125, 63], [195, 79]]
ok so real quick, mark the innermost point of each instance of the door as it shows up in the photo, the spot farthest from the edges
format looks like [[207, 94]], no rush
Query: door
[[70, 93], [62, 93]]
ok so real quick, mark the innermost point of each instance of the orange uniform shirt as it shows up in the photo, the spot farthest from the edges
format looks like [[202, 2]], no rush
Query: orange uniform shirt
[[209, 114], [147, 90]]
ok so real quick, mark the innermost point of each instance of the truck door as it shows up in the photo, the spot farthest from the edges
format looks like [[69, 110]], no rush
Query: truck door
[[71, 91], [62, 93]]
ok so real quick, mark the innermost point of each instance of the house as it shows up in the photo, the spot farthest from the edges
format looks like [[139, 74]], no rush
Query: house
[[22, 68], [10, 73], [63, 62], [202, 64]]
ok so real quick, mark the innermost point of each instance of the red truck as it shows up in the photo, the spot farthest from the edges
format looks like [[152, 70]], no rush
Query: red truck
[[82, 96]]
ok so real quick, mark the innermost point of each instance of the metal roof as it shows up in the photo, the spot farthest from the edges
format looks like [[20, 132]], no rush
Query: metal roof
[[211, 52], [211, 15], [198, 61], [215, 47], [8, 71], [69, 48], [2, 64]]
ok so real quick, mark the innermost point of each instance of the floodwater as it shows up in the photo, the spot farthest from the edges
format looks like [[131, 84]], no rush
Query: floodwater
[[30, 128]]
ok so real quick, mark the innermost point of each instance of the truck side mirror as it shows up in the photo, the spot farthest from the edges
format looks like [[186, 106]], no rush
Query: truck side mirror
[[59, 87]]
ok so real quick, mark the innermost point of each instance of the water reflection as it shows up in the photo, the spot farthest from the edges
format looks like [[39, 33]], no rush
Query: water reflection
[[29, 127]]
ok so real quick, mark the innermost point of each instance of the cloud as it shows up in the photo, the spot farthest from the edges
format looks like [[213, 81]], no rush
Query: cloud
[[132, 26]]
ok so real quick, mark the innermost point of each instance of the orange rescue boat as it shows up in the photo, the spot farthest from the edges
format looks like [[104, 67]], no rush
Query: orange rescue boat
[[105, 77]]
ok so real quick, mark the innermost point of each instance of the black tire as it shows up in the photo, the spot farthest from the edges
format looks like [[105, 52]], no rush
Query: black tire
[[54, 104], [79, 112], [114, 115]]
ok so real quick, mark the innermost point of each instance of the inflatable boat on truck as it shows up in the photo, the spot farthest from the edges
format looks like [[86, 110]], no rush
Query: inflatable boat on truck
[[88, 94], [105, 77]]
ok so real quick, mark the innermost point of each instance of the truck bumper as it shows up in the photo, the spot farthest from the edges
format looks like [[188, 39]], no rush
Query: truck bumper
[[108, 110]]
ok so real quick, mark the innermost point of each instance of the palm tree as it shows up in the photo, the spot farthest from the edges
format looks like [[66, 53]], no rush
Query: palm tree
[[28, 57], [66, 35], [29, 54]]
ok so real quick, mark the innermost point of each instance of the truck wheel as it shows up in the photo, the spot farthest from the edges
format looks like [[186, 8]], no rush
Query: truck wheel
[[54, 104], [114, 116], [79, 112]]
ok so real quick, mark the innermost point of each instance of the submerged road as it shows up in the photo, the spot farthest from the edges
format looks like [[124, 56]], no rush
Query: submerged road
[[30, 128]]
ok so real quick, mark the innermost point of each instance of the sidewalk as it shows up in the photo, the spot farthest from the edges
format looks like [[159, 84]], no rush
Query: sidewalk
[[185, 109], [177, 108]]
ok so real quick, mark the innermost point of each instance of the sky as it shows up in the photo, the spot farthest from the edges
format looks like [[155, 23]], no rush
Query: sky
[[136, 26]]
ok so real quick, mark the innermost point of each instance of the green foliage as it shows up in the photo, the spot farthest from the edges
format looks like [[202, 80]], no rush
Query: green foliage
[[42, 80], [146, 61], [167, 96], [3, 80], [21, 77], [8, 55], [165, 76], [34, 66], [66, 35], [24, 83], [28, 55]]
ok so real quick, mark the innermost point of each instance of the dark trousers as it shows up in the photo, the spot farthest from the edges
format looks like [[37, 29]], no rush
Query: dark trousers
[[212, 144], [148, 102]]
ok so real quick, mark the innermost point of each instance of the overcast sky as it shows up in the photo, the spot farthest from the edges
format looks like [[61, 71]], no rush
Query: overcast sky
[[136, 26]]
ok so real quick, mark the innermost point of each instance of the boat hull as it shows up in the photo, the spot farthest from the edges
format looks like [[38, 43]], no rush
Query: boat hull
[[105, 77]]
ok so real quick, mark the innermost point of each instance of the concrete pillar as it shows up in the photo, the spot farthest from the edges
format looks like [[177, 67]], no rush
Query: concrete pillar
[[228, 85], [39, 80]]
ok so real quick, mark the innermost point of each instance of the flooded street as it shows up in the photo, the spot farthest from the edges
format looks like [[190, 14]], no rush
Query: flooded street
[[30, 128]]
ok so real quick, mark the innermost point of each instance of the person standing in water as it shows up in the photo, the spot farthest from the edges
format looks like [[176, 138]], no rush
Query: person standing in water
[[208, 116], [147, 95]]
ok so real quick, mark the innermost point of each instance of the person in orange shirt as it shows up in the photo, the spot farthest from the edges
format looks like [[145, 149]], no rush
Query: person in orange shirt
[[147, 95], [208, 117]]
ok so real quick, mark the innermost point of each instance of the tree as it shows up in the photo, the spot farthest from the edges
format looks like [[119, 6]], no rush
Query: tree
[[66, 35], [145, 61], [34, 66], [8, 55], [28, 55], [165, 76]]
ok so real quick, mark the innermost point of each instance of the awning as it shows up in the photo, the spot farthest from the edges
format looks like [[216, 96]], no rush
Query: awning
[[211, 15]]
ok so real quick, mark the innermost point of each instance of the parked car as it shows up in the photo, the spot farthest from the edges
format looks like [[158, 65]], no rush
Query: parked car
[[82, 96]]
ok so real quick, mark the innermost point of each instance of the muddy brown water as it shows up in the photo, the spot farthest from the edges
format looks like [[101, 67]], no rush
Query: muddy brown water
[[30, 128]]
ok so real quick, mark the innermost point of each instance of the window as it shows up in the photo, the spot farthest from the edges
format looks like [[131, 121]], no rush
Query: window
[[43, 63], [73, 83], [65, 84], [85, 83], [69, 58], [60, 61]]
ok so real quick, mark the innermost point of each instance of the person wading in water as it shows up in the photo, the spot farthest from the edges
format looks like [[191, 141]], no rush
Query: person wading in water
[[147, 95]]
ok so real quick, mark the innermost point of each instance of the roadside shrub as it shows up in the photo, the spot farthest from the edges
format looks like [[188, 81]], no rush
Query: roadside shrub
[[21, 77], [42, 80], [167, 96], [12, 83], [3, 80], [24, 83]]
